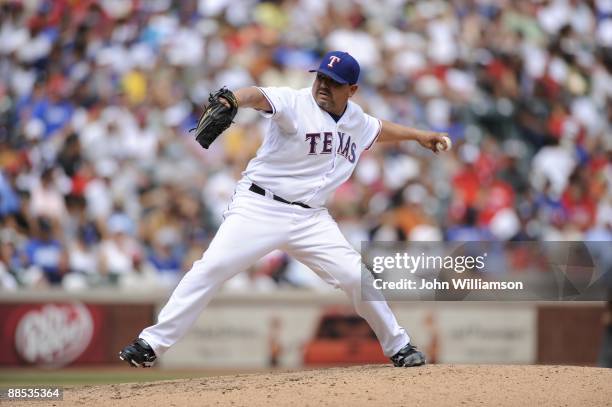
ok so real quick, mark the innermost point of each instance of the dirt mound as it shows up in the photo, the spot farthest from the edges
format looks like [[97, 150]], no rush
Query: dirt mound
[[374, 385]]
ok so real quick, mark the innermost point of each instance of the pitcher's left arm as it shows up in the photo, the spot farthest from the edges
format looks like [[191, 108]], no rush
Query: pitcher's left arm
[[434, 141]]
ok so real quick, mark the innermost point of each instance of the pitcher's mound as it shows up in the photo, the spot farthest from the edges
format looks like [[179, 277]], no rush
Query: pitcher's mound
[[374, 385]]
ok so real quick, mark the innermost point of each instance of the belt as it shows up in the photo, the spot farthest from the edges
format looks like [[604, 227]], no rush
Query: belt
[[259, 190]]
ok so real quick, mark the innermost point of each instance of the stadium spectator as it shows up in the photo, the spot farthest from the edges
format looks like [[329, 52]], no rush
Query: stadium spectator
[[46, 252]]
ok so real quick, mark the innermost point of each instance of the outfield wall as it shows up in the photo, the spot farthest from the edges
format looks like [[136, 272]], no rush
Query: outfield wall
[[54, 328]]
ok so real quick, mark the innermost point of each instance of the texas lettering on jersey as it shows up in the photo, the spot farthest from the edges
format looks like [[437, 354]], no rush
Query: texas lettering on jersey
[[346, 148]]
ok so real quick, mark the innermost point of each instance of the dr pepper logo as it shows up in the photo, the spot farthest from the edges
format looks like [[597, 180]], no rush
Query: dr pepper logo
[[54, 335]]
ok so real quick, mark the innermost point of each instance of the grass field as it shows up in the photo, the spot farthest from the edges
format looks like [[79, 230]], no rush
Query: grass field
[[103, 375]]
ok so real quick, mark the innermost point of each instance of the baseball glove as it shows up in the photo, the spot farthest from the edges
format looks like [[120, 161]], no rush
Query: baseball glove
[[216, 117]]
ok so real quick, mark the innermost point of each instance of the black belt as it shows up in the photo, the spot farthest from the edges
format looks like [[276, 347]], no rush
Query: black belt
[[259, 190]]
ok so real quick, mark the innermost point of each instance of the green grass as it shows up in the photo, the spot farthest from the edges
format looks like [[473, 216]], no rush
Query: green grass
[[80, 377]]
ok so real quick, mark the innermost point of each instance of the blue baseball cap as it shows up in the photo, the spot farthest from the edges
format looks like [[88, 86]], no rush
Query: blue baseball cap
[[340, 66]]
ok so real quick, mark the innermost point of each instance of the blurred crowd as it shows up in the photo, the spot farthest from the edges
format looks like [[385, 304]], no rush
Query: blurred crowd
[[101, 182]]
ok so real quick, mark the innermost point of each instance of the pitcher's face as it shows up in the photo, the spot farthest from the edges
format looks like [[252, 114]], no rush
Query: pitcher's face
[[330, 95]]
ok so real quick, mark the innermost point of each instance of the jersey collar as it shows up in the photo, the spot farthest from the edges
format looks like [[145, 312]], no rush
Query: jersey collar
[[346, 113], [336, 117]]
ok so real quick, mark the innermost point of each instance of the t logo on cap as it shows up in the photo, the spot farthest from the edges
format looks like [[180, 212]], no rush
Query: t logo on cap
[[332, 60], [340, 66]]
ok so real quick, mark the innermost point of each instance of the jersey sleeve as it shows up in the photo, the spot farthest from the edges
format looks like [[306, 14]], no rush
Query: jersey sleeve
[[372, 129], [282, 101]]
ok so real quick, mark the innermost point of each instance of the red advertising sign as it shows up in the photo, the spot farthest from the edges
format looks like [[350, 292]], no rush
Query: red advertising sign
[[63, 333]]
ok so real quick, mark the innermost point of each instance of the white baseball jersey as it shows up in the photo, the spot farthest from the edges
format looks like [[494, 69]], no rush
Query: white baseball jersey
[[306, 154]]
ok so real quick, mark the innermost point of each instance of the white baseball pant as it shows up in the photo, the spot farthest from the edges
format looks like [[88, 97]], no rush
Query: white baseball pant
[[255, 225]]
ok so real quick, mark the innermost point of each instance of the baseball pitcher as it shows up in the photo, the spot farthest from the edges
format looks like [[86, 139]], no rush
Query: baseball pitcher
[[314, 139]]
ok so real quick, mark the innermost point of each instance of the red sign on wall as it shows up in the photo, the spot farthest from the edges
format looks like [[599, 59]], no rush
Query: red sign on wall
[[64, 333]]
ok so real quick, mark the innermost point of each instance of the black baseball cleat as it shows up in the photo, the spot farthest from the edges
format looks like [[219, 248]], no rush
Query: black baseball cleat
[[138, 354], [408, 356]]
